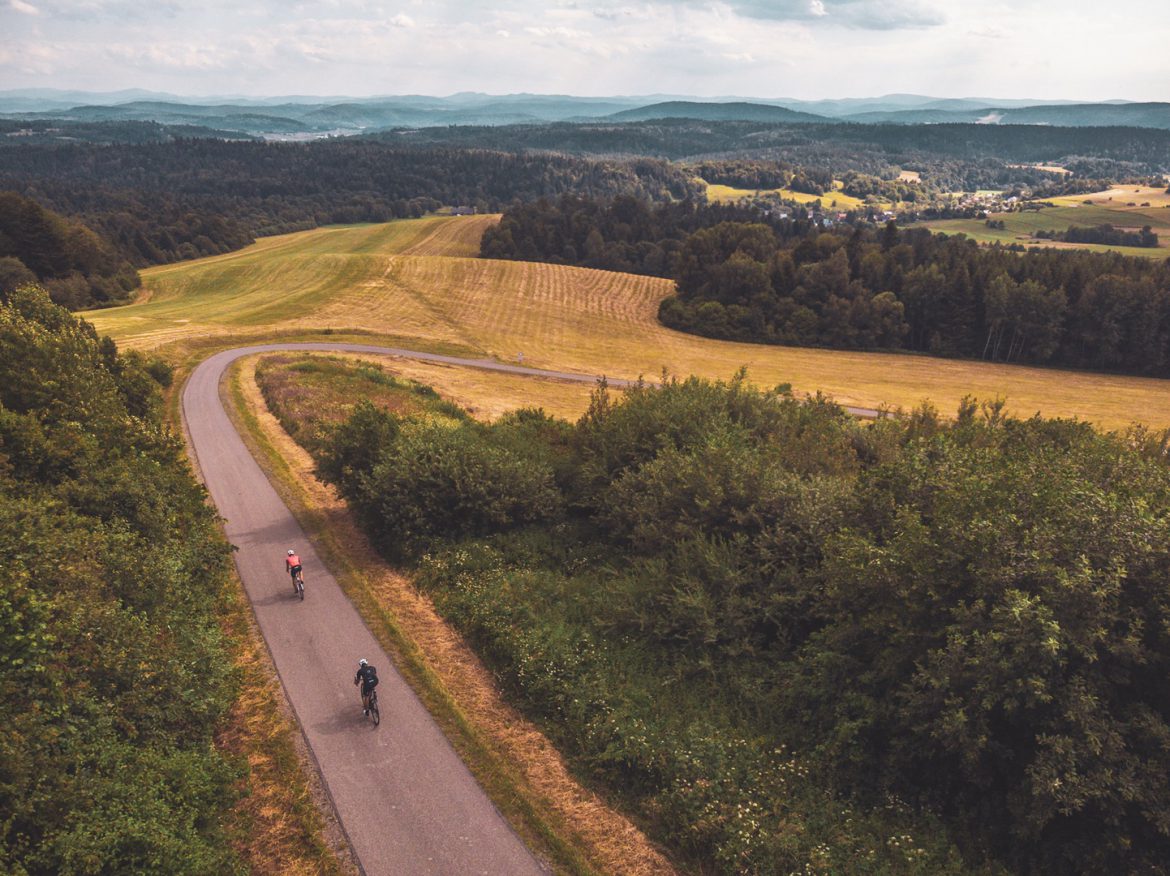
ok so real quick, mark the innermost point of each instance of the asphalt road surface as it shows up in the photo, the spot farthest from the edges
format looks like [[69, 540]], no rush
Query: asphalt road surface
[[404, 798]]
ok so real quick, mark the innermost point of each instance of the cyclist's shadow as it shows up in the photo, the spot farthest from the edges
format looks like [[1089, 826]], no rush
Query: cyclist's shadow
[[288, 595], [345, 721]]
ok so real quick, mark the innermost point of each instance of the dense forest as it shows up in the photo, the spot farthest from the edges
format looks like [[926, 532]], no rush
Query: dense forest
[[624, 234], [886, 288], [164, 202], [21, 133], [114, 675], [963, 157], [76, 265], [788, 281], [795, 641]]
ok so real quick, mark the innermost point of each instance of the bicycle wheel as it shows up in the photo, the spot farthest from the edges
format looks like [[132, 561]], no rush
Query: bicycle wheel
[[375, 715], [301, 588]]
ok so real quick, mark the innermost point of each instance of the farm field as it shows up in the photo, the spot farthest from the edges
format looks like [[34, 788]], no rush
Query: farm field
[[1119, 196], [1019, 227], [830, 200], [417, 282]]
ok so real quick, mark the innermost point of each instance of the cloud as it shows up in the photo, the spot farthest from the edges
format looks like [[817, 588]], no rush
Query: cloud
[[989, 32], [861, 14], [23, 8]]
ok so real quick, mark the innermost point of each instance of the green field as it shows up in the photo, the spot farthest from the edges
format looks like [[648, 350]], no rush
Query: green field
[[416, 283], [1104, 208], [830, 200], [1019, 227]]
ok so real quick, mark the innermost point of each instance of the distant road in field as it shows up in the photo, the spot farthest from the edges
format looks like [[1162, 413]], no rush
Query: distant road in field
[[405, 800]]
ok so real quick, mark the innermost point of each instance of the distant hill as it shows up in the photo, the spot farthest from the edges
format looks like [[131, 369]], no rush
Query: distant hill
[[299, 117], [716, 112], [1093, 115], [1077, 115]]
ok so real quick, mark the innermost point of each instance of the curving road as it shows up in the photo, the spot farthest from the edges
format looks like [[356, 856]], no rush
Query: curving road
[[404, 798]]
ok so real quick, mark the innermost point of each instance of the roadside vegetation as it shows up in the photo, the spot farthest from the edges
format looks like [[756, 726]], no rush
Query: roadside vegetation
[[130, 741], [114, 671], [791, 641]]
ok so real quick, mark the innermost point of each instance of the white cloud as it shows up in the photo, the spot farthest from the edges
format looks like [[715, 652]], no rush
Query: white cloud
[[766, 48]]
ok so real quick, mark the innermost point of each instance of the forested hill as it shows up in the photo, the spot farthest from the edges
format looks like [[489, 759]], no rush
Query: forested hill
[[1148, 150], [163, 202], [71, 261], [114, 676], [717, 112]]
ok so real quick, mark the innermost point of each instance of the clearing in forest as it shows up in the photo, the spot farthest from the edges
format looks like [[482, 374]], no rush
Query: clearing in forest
[[832, 200], [416, 283]]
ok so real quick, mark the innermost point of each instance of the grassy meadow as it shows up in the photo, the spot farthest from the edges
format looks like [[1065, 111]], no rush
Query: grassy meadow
[[830, 200], [1121, 207], [417, 283]]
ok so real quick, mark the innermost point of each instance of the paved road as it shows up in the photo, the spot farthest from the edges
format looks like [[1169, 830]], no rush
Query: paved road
[[404, 798]]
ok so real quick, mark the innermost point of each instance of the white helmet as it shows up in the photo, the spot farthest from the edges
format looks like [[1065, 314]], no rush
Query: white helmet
[[362, 662], [291, 552]]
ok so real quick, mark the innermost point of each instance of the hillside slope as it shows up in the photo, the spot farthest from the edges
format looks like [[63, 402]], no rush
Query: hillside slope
[[419, 280]]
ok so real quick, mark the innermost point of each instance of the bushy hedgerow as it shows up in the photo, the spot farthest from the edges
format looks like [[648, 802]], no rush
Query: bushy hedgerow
[[434, 477], [969, 618], [113, 675]]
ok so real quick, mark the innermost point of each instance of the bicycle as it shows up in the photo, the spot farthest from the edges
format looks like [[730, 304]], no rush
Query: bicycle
[[372, 702], [299, 584]]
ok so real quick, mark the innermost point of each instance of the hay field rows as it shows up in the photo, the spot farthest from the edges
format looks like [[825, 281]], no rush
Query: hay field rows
[[417, 280]]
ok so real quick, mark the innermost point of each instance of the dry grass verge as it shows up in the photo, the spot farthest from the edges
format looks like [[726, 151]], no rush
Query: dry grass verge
[[283, 823], [517, 765]]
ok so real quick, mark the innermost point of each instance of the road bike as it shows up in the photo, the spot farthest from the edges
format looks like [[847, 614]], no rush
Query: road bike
[[299, 584], [372, 701]]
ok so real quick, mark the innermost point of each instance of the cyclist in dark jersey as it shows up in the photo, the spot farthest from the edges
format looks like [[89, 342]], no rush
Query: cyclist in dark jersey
[[367, 677]]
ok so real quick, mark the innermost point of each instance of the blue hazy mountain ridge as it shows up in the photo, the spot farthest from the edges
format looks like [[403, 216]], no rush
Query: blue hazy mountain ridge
[[298, 114], [1133, 115], [717, 112]]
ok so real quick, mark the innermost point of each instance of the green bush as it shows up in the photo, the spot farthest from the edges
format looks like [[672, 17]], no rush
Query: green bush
[[113, 675], [797, 642], [438, 480]]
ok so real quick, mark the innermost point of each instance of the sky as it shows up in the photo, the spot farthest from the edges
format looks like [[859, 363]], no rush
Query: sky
[[806, 49]]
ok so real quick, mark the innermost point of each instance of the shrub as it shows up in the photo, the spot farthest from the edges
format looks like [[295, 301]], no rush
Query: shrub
[[440, 480]]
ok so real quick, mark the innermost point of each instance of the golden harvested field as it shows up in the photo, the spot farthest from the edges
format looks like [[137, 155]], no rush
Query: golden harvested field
[[415, 281], [1119, 197]]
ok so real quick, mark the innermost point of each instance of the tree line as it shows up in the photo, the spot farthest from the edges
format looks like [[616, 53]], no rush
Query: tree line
[[114, 672], [77, 266], [162, 202], [787, 636], [1105, 234], [744, 276], [622, 234], [954, 157], [911, 289]]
